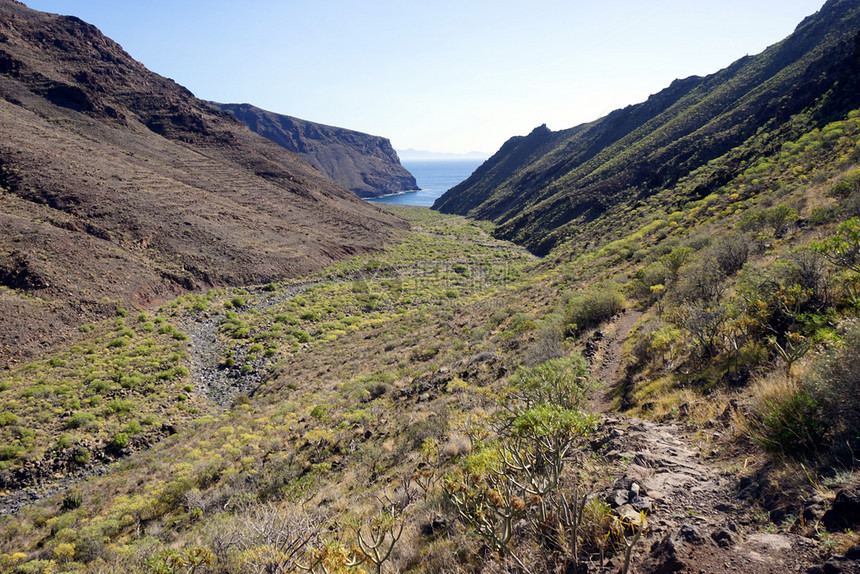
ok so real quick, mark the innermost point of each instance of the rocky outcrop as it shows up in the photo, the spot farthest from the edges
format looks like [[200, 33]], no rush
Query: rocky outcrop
[[366, 165]]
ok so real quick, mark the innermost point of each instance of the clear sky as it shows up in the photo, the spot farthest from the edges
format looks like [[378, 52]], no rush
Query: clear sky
[[438, 75]]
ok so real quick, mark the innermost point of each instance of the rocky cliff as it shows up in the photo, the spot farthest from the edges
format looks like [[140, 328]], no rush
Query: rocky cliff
[[366, 165]]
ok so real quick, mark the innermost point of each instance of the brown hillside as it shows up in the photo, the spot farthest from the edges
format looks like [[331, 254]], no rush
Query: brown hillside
[[119, 187]]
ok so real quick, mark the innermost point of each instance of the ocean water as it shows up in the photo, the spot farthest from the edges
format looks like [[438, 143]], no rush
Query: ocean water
[[434, 178]]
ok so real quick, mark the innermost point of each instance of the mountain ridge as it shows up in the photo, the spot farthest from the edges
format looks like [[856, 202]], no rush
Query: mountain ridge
[[541, 190]]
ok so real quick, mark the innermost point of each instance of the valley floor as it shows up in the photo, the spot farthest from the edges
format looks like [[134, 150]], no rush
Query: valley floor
[[400, 412]]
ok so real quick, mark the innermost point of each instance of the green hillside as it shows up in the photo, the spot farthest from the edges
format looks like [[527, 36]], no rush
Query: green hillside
[[548, 187]]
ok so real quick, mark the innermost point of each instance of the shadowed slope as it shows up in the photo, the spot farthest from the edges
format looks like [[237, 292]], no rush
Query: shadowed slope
[[546, 187], [120, 187]]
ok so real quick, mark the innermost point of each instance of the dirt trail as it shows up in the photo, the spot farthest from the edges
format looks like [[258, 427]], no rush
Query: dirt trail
[[696, 520], [607, 360]]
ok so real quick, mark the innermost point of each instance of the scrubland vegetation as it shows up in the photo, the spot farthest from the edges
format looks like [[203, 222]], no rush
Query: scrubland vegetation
[[426, 409]]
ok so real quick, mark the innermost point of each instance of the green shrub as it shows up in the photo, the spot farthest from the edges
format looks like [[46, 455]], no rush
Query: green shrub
[[119, 440], [7, 418], [118, 342], [834, 386], [422, 355], [563, 381], [301, 336], [846, 186], [591, 308], [180, 371], [82, 455], [99, 386], [64, 441], [790, 425], [71, 501], [80, 419], [120, 406], [10, 451]]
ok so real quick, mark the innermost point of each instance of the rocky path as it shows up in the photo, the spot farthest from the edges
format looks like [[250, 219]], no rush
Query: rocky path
[[697, 521]]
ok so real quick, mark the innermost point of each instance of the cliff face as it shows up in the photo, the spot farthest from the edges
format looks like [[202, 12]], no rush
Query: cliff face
[[366, 165], [548, 186], [118, 187]]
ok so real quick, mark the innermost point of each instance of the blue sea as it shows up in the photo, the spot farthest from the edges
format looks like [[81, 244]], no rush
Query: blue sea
[[434, 177]]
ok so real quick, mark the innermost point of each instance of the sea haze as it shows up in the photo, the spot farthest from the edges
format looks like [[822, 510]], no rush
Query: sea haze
[[434, 177]]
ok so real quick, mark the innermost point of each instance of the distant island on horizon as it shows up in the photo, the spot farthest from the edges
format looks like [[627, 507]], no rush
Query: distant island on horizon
[[421, 155]]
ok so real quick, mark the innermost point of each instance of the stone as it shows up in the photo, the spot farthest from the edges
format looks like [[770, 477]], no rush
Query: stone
[[691, 534], [722, 537], [617, 498], [436, 525], [642, 504], [575, 567], [663, 558], [813, 512], [775, 544], [845, 511]]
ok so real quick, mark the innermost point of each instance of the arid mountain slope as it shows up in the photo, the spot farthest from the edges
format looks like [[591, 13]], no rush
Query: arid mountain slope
[[547, 187], [364, 164], [119, 187]]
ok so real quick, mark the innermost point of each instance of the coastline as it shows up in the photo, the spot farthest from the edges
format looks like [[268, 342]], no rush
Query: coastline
[[396, 193]]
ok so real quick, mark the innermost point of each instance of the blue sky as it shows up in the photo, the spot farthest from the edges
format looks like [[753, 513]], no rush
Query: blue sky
[[446, 75]]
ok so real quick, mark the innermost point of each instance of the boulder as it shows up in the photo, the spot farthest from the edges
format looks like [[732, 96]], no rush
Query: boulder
[[845, 511], [663, 558], [691, 534]]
